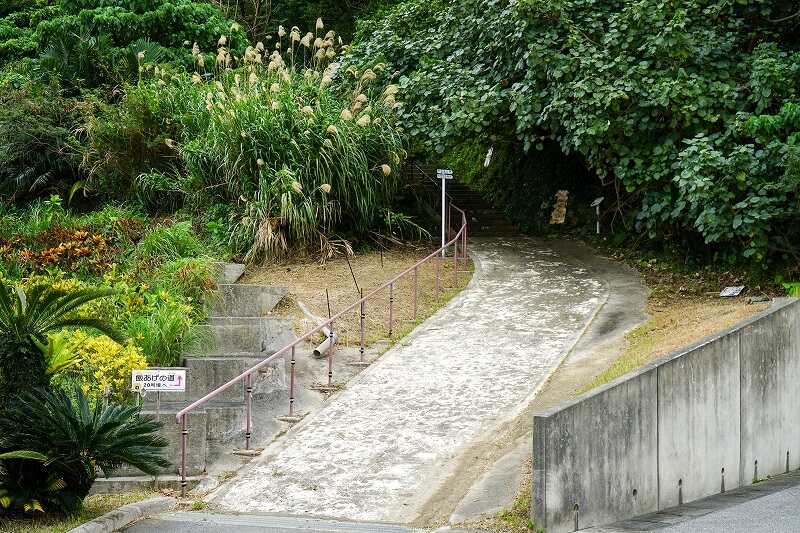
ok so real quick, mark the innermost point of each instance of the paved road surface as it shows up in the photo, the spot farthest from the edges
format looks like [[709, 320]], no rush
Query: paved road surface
[[381, 449]]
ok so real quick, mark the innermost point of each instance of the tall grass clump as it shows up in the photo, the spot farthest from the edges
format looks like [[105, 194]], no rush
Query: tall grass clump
[[302, 151], [169, 242]]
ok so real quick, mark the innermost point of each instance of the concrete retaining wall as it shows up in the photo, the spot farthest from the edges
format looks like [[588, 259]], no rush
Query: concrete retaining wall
[[709, 418]]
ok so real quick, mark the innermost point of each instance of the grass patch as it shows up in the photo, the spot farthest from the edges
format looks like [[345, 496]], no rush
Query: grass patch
[[93, 506], [517, 519], [675, 324]]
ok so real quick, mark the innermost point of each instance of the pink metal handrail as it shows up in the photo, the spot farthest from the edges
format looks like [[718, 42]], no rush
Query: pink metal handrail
[[181, 416]]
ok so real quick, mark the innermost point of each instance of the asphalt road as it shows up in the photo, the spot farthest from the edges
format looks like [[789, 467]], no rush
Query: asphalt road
[[766, 507]]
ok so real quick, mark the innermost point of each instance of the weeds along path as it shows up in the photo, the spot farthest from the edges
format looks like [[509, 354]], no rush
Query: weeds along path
[[384, 445]]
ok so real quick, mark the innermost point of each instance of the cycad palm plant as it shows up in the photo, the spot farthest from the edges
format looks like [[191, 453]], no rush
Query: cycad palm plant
[[25, 318], [51, 447]]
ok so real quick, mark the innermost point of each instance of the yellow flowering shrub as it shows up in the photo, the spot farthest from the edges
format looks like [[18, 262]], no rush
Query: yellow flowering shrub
[[106, 362]]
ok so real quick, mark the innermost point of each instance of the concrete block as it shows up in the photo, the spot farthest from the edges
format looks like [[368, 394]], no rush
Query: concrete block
[[196, 449], [698, 421], [205, 374], [225, 423], [248, 336], [770, 395], [595, 458], [245, 300], [120, 485], [125, 515], [226, 273]]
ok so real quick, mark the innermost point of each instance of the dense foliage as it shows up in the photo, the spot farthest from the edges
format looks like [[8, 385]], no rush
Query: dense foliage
[[678, 106], [281, 157], [26, 317], [157, 299], [51, 447]]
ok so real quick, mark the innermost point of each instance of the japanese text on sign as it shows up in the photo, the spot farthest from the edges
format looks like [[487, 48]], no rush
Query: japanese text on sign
[[164, 379]]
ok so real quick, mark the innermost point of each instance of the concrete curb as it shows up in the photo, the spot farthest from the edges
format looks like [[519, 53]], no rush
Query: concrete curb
[[125, 515]]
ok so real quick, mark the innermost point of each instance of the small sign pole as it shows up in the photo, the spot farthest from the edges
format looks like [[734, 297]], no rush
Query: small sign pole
[[444, 219], [444, 174]]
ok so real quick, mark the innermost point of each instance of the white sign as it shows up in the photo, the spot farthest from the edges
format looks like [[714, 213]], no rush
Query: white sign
[[160, 379], [444, 173]]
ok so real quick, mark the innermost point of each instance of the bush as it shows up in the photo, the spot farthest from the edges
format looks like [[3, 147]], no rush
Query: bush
[[167, 330], [191, 277], [298, 157], [66, 442], [103, 362], [168, 242], [38, 151], [26, 316], [653, 97]]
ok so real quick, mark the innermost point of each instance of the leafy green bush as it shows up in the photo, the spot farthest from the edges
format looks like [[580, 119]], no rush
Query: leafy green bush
[[167, 331], [26, 316], [18, 20], [652, 96], [38, 149], [167, 22], [65, 443], [192, 277]]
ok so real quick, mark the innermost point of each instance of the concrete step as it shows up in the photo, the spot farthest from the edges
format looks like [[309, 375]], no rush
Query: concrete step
[[123, 484], [205, 374], [245, 300], [227, 272], [215, 429], [256, 336]]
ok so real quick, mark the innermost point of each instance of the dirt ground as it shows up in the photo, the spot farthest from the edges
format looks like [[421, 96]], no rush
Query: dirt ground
[[328, 288]]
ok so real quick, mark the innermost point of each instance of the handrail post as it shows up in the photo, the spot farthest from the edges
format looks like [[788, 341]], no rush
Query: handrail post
[[291, 384], [455, 263], [416, 284], [464, 238], [330, 356], [437, 277], [249, 402], [184, 434], [449, 210], [391, 307], [363, 320]]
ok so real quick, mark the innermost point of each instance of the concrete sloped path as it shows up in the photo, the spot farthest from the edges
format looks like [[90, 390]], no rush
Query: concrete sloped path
[[381, 448]]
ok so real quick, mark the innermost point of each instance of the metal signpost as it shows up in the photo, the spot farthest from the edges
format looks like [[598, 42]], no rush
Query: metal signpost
[[444, 174], [596, 205]]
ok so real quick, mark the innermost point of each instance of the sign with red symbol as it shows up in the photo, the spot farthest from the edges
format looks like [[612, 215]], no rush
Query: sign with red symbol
[[159, 379]]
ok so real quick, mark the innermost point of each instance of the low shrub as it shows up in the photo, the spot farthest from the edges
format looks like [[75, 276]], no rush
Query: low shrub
[[170, 241], [102, 362], [51, 448], [167, 331]]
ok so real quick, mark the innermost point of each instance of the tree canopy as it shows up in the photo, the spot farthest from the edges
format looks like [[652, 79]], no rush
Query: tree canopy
[[684, 109]]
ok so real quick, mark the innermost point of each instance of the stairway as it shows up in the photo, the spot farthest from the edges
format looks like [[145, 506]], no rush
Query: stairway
[[482, 219], [242, 337]]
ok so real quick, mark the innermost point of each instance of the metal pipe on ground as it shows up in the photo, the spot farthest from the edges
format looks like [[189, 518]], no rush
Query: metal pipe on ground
[[324, 346]]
